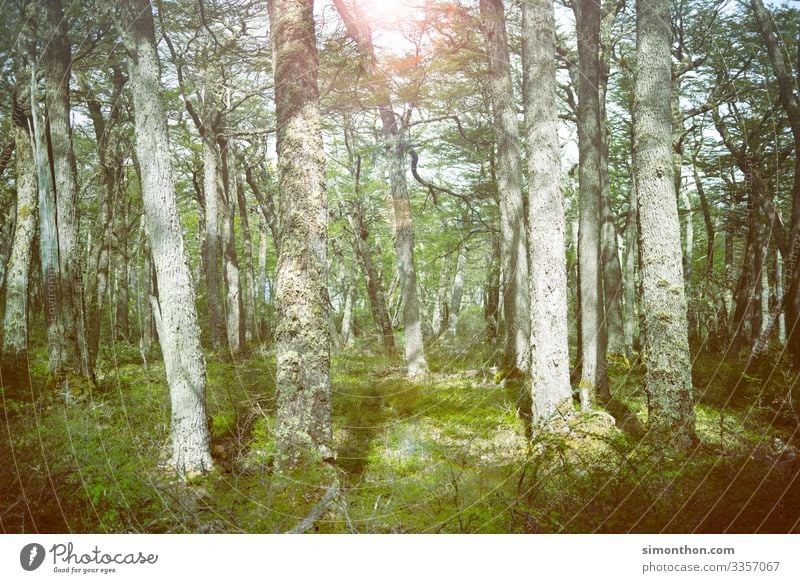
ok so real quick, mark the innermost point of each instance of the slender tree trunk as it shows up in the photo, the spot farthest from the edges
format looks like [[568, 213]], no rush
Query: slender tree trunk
[[174, 309], [787, 95], [612, 283], [250, 284], [438, 320], [212, 186], [631, 260], [688, 248], [458, 290], [394, 146], [550, 386], [668, 380], [372, 278], [609, 246], [69, 355], [15, 320], [594, 381], [262, 279], [779, 300], [514, 240], [302, 337], [234, 313], [347, 315], [491, 308], [121, 299], [111, 174]]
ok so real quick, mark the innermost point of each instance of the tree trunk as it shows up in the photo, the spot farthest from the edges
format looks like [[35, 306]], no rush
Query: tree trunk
[[174, 310], [372, 278], [250, 283], [491, 306], [15, 320], [594, 381], [302, 336], [148, 290], [668, 380], [550, 385], [347, 336], [262, 280], [458, 290], [779, 300], [234, 304], [121, 320], [438, 320], [212, 187], [111, 171], [631, 261], [612, 283], [394, 146], [514, 240], [69, 355], [787, 95]]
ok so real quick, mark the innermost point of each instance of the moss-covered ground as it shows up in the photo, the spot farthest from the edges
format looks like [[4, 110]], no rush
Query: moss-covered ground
[[449, 453]]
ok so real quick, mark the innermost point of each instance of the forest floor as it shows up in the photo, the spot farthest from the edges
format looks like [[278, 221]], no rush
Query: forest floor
[[450, 453]]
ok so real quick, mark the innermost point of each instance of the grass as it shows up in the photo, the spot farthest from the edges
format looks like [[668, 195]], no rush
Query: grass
[[450, 453]]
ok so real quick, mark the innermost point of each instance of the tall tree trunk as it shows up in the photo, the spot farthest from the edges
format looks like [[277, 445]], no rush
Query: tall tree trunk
[[347, 336], [491, 307], [514, 240], [779, 300], [69, 355], [609, 246], [394, 146], [234, 303], [111, 173], [514, 249], [787, 95], [438, 318], [612, 282], [631, 261], [250, 280], [458, 290], [687, 229], [668, 380], [261, 300], [212, 187], [302, 337], [15, 320], [121, 299], [550, 386], [594, 381], [372, 278], [174, 310]]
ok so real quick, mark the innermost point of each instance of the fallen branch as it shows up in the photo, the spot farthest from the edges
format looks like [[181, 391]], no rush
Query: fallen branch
[[316, 512]]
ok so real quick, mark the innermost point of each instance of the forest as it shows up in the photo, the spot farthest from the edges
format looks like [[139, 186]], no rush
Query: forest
[[399, 266]]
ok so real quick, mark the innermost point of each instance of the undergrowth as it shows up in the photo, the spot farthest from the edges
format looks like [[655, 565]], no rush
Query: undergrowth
[[448, 453]]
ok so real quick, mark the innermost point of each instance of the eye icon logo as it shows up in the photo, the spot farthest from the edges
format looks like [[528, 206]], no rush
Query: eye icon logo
[[31, 556]]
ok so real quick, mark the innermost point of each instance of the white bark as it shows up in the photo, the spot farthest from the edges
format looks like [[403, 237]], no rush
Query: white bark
[[550, 386], [668, 381], [174, 310]]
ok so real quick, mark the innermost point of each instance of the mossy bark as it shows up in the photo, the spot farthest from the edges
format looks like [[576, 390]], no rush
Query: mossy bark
[[15, 320], [68, 353], [668, 381], [303, 425]]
